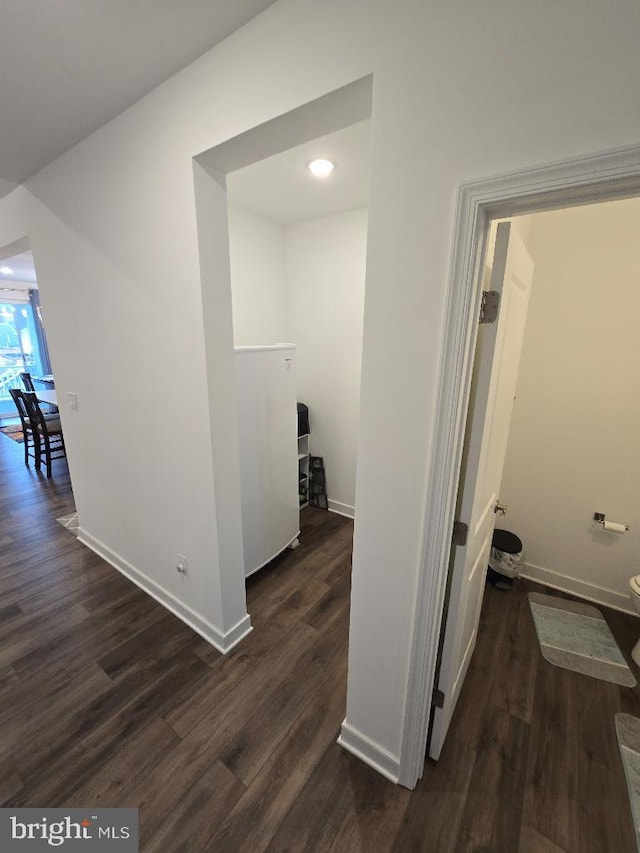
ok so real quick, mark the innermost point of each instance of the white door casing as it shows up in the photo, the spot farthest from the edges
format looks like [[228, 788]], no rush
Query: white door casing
[[498, 355]]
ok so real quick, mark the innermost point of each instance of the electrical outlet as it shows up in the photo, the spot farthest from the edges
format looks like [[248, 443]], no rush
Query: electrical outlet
[[73, 400], [182, 564]]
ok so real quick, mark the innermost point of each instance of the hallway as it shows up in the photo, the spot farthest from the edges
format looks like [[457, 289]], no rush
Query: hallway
[[106, 699]]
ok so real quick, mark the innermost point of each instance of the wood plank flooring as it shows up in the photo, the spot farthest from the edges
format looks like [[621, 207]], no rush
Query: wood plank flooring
[[108, 700]]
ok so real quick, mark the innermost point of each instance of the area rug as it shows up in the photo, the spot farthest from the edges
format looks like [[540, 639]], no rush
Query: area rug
[[628, 732], [576, 636], [13, 431]]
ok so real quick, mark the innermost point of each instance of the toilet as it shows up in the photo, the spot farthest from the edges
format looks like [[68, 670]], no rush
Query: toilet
[[634, 595]]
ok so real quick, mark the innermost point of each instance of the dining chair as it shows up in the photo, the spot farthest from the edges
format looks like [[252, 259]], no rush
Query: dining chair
[[51, 411], [47, 433], [17, 395], [27, 381]]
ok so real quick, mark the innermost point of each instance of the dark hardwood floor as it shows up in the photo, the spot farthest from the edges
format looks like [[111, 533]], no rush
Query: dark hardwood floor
[[108, 700]]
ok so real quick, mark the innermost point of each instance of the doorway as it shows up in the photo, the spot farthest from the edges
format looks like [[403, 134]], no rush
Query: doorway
[[603, 177], [298, 260], [575, 423], [212, 170], [569, 438]]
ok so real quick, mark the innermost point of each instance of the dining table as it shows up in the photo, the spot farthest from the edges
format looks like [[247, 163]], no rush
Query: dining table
[[49, 396]]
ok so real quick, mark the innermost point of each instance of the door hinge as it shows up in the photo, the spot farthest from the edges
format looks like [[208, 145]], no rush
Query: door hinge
[[437, 698], [489, 306], [460, 530]]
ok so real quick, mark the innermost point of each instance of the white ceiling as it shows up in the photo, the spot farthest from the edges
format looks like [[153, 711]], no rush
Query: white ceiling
[[67, 68], [282, 188]]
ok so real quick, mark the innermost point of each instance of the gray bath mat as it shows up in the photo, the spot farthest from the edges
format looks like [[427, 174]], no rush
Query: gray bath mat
[[575, 636], [628, 731]]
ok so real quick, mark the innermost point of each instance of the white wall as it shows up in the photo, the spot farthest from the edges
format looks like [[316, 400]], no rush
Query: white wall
[[573, 446], [461, 92], [258, 292], [325, 262], [304, 283]]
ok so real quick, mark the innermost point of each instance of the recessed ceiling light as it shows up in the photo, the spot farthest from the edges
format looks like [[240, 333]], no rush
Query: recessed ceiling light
[[321, 168], [6, 270]]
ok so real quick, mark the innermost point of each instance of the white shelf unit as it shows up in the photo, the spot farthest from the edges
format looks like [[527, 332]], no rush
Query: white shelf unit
[[303, 470]]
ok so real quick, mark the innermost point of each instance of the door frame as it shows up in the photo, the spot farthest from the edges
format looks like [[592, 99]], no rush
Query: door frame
[[607, 176]]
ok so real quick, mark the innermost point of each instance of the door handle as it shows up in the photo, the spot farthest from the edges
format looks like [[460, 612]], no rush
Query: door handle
[[501, 508]]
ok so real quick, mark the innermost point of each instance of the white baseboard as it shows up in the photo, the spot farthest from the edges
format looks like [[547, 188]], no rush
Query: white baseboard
[[223, 642], [341, 509], [582, 589], [369, 752]]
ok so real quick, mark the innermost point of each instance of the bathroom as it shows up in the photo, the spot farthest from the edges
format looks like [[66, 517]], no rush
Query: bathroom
[[572, 449]]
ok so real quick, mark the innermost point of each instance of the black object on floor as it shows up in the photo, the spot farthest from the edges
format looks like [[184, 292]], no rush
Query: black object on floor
[[498, 580], [318, 486], [505, 558], [505, 540]]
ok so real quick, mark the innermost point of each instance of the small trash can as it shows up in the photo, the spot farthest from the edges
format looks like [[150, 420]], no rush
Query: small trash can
[[505, 558]]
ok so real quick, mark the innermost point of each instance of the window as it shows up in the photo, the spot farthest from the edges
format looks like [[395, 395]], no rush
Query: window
[[22, 343]]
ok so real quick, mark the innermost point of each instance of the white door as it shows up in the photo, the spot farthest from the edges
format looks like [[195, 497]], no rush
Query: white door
[[496, 371]]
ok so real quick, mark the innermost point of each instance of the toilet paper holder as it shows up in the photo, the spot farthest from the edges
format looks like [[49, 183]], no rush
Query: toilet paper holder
[[599, 518]]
